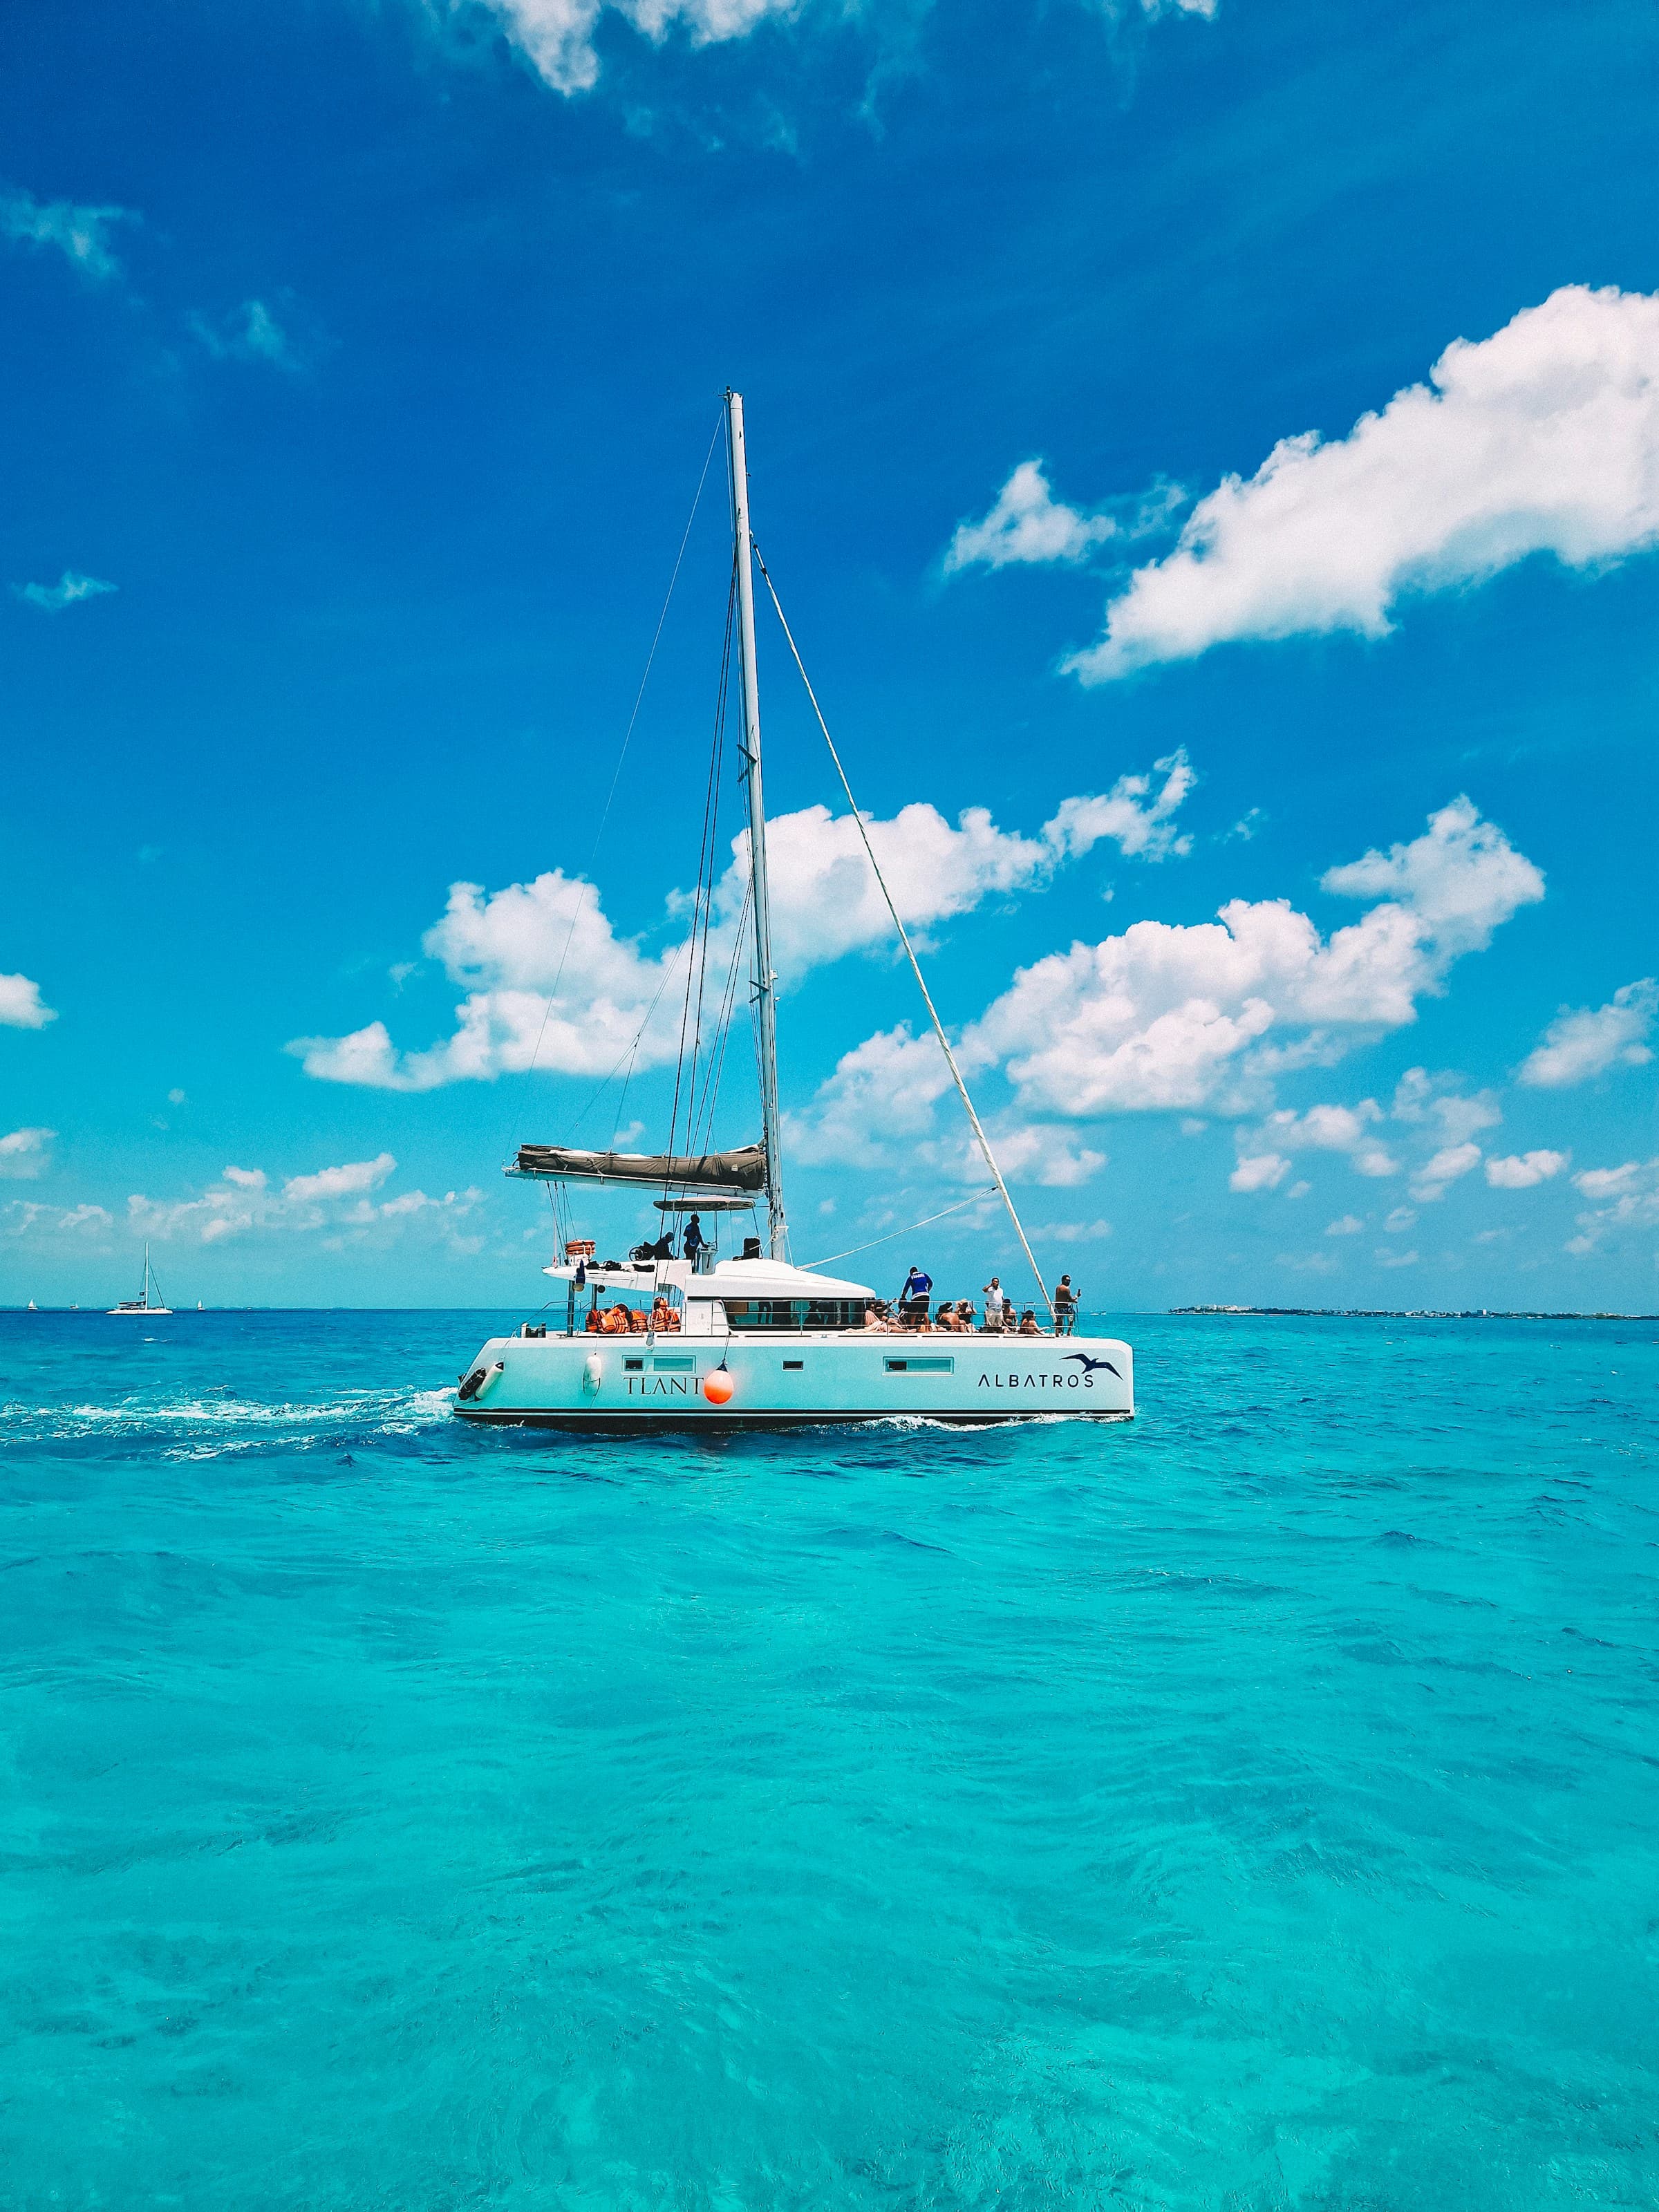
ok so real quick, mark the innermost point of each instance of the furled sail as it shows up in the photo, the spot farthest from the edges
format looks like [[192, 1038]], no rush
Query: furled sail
[[743, 1170]]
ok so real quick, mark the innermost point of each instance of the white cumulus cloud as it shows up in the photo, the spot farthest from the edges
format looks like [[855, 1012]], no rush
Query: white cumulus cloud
[[26, 1153], [557, 35], [553, 985], [1586, 1040], [1027, 524], [21, 1007], [1629, 1198], [1543, 438], [1259, 1171], [81, 234], [1523, 1170], [1173, 1015], [68, 592], [1349, 1224]]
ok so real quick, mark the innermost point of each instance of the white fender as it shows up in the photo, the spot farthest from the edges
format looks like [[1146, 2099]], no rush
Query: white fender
[[593, 1374], [489, 1381]]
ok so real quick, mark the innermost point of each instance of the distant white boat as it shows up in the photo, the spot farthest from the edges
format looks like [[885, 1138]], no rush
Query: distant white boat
[[142, 1304], [200, 1307], [30, 1307]]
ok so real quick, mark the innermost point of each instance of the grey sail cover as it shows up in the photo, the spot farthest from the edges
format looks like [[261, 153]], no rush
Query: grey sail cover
[[743, 1170]]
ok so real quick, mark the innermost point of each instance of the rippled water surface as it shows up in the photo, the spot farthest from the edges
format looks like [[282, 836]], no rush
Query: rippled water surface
[[1252, 1807]]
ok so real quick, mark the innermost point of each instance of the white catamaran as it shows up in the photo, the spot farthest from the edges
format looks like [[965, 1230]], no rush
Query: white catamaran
[[755, 1341], [142, 1303]]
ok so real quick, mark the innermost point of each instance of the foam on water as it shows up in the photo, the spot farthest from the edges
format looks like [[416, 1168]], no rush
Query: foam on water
[[1248, 1807]]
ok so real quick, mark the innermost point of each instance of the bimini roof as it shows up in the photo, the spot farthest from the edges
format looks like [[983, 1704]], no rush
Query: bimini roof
[[770, 1278], [729, 1278], [733, 1173]]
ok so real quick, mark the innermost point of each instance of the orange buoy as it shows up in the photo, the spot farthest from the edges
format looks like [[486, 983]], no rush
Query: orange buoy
[[717, 1386]]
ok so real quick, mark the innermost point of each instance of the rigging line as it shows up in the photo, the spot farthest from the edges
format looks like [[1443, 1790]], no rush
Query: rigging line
[[616, 777], [705, 867], [628, 1050], [711, 1088], [905, 940], [974, 1198]]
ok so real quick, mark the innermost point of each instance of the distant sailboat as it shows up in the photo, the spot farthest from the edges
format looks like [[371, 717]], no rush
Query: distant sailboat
[[30, 1307], [200, 1307], [142, 1303]]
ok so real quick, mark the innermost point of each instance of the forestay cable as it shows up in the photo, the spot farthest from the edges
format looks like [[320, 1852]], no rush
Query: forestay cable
[[910, 954]]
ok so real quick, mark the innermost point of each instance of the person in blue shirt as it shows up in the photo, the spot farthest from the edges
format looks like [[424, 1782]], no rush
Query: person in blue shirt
[[694, 1239], [913, 1299]]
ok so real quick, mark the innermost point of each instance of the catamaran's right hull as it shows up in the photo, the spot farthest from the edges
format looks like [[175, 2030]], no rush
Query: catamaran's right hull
[[636, 1384]]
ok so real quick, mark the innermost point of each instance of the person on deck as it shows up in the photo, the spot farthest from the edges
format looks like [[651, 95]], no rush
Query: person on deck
[[995, 1305], [913, 1299], [946, 1316], [664, 1319], [1028, 1324], [1065, 1307], [694, 1240], [965, 1314]]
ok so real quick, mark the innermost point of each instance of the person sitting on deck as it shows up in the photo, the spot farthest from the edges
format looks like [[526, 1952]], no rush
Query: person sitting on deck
[[874, 1315], [946, 1315], [664, 1319], [1028, 1326], [965, 1314]]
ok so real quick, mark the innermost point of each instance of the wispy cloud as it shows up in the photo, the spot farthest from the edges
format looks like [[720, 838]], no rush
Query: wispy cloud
[[68, 592], [26, 1153], [1541, 438], [253, 332], [81, 234], [21, 1005], [338, 1202], [1586, 1040]]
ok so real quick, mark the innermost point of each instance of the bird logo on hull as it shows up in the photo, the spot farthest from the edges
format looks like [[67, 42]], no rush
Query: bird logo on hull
[[1089, 1365]]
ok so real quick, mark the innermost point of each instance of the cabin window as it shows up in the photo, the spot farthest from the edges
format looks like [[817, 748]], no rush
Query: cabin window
[[763, 1316], [796, 1365], [914, 1367], [634, 1366], [671, 1362]]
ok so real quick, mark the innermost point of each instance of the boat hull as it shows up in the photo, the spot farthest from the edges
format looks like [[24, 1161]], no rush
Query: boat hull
[[633, 1385]]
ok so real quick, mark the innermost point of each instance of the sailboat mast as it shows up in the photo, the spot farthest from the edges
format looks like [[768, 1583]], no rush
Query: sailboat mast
[[765, 1013]]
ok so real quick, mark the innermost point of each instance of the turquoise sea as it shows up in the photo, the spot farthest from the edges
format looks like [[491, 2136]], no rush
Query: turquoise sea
[[1254, 1807]]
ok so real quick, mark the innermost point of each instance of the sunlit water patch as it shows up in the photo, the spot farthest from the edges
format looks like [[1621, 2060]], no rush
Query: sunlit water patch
[[1249, 1807]]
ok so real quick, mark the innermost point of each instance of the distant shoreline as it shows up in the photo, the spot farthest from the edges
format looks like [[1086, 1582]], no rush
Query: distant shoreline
[[1408, 1313]]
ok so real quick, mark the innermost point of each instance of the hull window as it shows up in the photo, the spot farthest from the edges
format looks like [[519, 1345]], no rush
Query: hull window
[[920, 1366], [671, 1362]]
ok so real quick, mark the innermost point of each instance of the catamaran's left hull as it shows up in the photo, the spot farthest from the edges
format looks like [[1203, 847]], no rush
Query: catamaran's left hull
[[633, 1385]]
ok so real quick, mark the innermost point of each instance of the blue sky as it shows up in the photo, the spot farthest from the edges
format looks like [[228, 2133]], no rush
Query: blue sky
[[1211, 460]]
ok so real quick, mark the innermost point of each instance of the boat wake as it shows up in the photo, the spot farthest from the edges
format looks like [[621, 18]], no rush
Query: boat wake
[[213, 1426]]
